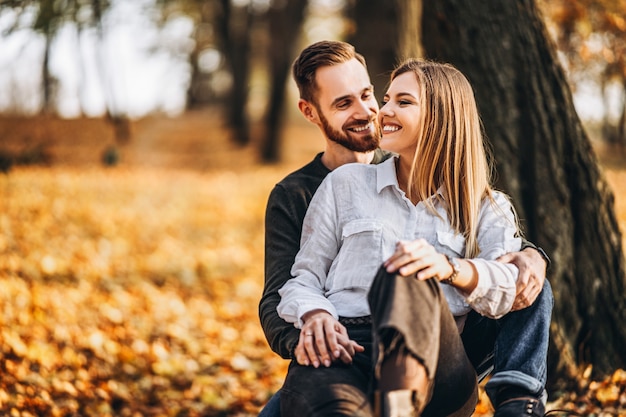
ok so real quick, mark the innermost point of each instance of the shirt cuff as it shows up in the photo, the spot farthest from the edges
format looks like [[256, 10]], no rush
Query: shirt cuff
[[305, 308], [495, 291]]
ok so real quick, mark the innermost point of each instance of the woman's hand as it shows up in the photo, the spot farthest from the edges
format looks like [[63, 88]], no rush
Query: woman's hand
[[324, 340], [421, 257]]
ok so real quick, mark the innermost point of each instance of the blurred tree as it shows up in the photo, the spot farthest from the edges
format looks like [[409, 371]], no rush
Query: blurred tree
[[591, 34], [234, 23], [47, 23], [546, 163], [50, 17], [226, 27], [375, 35], [285, 20], [205, 16]]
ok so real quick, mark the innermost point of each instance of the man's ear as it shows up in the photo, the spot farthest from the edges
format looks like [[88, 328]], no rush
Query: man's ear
[[308, 110]]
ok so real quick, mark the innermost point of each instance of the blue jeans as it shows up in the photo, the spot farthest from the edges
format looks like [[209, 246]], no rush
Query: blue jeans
[[518, 343], [521, 348], [272, 408]]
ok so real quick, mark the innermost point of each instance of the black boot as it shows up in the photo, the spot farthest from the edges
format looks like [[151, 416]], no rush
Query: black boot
[[517, 403]]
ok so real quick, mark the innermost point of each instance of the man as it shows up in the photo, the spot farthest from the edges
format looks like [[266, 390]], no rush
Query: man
[[336, 95]]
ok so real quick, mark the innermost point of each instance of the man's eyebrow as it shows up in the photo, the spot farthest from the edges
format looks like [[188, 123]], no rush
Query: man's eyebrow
[[336, 101]]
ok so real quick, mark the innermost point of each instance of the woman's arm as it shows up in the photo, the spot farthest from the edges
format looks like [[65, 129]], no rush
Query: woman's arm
[[487, 286], [318, 248]]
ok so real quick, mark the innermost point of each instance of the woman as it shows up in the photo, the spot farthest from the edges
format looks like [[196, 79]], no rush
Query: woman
[[428, 214]]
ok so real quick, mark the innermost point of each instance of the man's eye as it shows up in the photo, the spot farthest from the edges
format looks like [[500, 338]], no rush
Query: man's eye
[[382, 103]]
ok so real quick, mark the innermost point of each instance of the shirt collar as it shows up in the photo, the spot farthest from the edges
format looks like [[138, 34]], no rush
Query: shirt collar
[[387, 176]]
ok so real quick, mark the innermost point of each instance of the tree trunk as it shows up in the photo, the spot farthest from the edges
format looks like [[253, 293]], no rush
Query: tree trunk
[[199, 92], [376, 38], [47, 79], [285, 21], [234, 25], [547, 165]]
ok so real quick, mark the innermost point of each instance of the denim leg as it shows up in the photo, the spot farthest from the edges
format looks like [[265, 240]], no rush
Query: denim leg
[[521, 348], [272, 408]]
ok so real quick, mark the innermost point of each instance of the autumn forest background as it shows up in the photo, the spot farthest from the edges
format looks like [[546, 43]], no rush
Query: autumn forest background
[[131, 239]]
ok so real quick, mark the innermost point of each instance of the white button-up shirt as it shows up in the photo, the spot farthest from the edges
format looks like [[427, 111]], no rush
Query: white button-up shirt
[[352, 225]]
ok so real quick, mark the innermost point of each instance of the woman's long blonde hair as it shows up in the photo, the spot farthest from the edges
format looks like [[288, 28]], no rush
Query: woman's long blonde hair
[[450, 152]]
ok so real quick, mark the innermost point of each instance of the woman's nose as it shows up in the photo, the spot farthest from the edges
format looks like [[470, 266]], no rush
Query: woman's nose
[[386, 109]]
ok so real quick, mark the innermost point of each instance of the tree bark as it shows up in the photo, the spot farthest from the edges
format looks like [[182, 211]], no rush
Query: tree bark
[[546, 163]]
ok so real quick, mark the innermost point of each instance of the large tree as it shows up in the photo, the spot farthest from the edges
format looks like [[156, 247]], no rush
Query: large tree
[[546, 163]]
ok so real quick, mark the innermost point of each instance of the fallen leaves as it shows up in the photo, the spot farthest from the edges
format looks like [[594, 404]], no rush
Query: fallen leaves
[[135, 293]]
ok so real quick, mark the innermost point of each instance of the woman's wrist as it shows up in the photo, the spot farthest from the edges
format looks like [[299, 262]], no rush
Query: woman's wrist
[[466, 279], [456, 270]]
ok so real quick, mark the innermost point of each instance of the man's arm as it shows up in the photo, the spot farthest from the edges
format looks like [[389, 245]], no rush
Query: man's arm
[[282, 242], [532, 263]]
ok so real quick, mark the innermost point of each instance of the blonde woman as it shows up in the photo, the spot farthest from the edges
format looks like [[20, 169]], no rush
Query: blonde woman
[[428, 215]]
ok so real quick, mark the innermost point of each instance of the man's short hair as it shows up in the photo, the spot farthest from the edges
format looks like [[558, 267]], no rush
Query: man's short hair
[[316, 55]]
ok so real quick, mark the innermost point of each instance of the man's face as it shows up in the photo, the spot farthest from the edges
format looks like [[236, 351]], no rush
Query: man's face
[[346, 106]]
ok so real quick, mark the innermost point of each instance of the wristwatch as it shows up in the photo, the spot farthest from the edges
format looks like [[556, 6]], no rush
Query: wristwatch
[[456, 269]]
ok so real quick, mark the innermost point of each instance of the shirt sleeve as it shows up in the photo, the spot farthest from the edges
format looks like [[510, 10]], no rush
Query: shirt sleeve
[[497, 235], [283, 224], [318, 248]]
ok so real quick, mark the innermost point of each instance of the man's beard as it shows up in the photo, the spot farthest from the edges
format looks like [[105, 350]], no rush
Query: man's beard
[[362, 144]]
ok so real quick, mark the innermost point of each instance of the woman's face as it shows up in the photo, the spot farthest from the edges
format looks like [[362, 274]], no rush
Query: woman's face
[[399, 116]]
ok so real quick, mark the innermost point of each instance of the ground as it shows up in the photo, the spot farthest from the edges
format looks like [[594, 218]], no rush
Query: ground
[[132, 289]]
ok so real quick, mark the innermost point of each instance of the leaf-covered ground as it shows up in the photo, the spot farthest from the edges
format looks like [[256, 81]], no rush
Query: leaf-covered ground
[[133, 291]]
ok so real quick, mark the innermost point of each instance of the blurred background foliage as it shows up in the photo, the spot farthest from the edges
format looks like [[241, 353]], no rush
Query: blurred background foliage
[[73, 58]]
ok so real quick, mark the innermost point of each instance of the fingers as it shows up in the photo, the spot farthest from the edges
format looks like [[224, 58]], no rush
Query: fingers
[[531, 276], [324, 340], [408, 257], [348, 348], [507, 258], [300, 353], [527, 295], [419, 257]]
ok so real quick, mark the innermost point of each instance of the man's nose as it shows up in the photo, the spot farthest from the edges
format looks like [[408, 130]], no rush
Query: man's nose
[[366, 109]]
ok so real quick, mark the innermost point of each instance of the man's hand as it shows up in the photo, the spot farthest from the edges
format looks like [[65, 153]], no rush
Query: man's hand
[[532, 274], [324, 340]]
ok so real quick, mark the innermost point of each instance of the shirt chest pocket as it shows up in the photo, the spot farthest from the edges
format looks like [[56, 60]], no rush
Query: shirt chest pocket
[[451, 244], [360, 256]]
